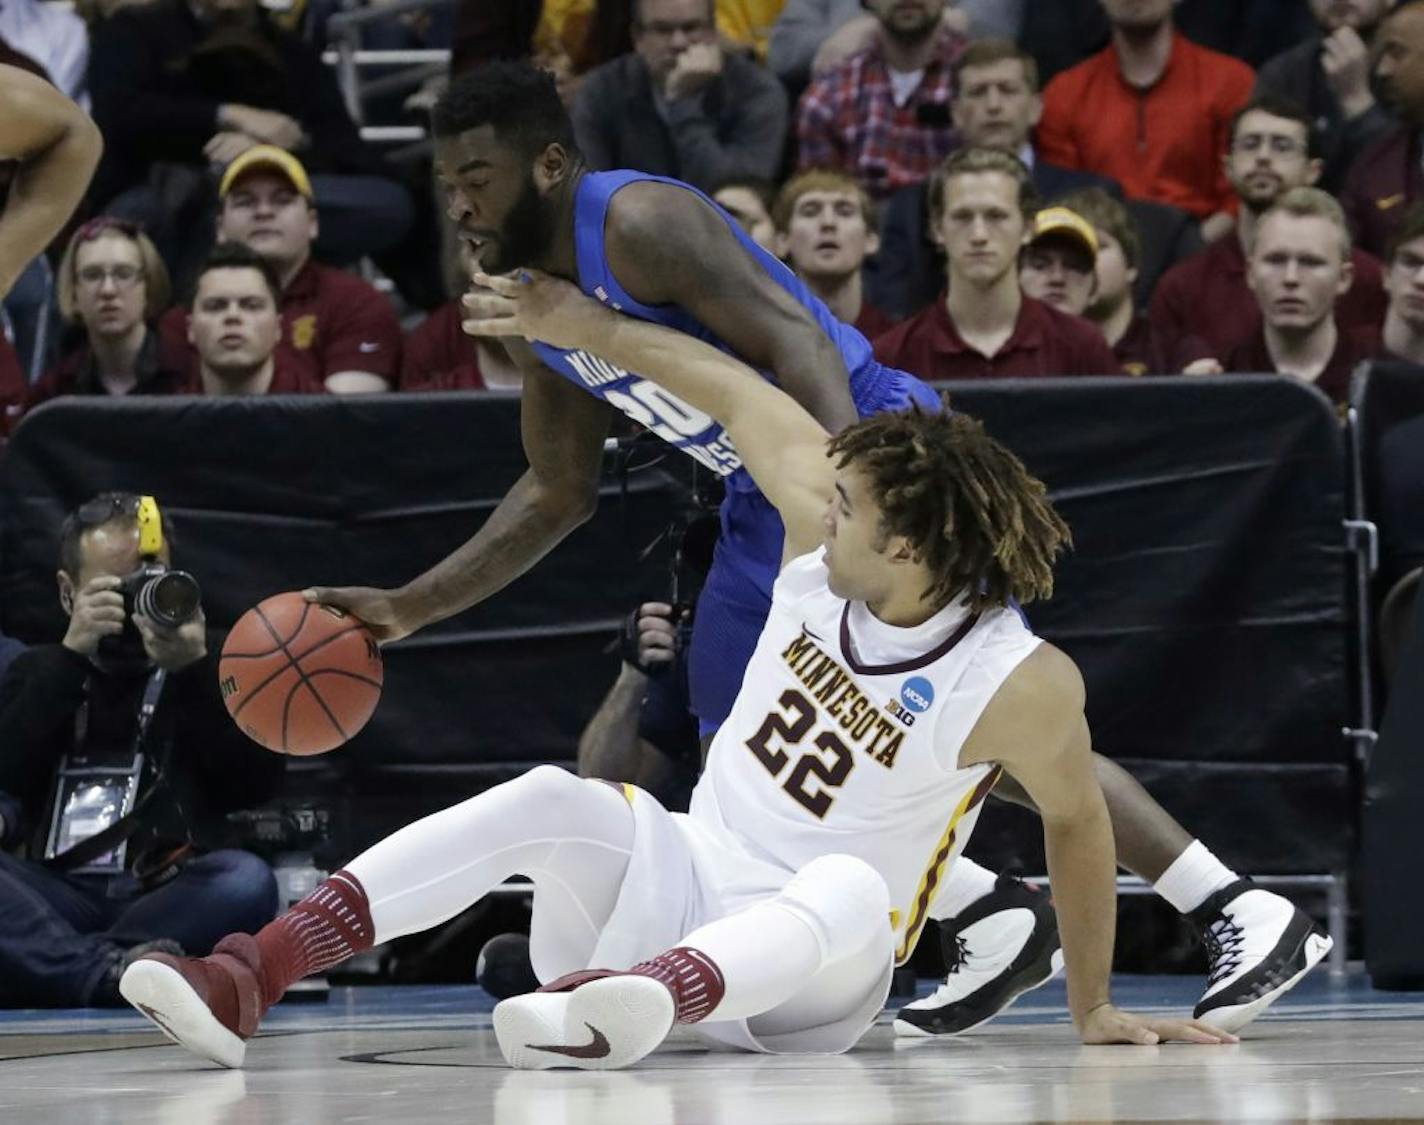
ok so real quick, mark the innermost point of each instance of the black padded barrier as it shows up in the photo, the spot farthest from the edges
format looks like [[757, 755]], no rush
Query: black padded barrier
[[1203, 599]]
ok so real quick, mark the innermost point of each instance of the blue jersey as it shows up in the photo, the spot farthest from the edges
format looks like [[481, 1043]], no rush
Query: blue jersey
[[677, 423]]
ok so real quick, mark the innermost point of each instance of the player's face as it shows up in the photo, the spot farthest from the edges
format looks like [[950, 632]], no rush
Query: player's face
[[746, 207], [1335, 14], [1058, 273], [1405, 284], [856, 566], [1268, 156], [981, 227], [1132, 15], [1399, 63], [827, 236], [995, 107], [1115, 277], [234, 324], [109, 287], [494, 198], [264, 211], [1298, 270]]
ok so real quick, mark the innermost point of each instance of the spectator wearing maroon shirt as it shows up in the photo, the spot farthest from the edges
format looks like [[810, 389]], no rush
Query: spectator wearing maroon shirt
[[112, 283], [1299, 268], [1058, 264], [883, 115], [337, 329], [1207, 297], [1151, 111], [438, 356], [825, 229], [984, 326], [1403, 335], [235, 326], [1388, 178], [1113, 306]]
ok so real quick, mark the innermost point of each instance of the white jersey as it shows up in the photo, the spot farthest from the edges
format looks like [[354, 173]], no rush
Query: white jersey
[[825, 752]]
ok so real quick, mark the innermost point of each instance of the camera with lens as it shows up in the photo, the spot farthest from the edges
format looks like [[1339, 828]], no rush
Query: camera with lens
[[168, 598]]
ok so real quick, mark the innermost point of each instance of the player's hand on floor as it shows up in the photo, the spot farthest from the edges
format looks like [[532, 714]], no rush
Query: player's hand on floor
[[535, 306], [1107, 1024], [377, 609]]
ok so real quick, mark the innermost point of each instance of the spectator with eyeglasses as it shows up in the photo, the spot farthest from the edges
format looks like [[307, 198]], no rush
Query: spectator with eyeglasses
[[1206, 299], [679, 106], [111, 284]]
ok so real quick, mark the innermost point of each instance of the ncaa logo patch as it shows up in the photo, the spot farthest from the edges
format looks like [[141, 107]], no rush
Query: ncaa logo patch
[[917, 694]]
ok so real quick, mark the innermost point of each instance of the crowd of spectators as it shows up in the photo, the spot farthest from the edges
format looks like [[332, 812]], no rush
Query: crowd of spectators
[[982, 188]]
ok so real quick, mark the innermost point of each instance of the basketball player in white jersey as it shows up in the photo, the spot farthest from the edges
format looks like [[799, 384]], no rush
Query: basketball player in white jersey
[[890, 687], [57, 148]]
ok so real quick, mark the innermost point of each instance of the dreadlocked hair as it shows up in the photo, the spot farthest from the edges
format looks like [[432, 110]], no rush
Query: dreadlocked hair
[[980, 522]]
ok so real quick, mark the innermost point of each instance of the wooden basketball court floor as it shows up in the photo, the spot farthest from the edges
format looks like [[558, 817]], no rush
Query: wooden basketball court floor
[[1334, 1050]]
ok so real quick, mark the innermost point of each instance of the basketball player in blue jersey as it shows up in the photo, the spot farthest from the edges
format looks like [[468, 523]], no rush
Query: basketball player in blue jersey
[[659, 250], [769, 917]]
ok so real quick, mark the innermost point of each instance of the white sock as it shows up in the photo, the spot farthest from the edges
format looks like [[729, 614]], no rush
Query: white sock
[[1194, 876], [965, 883]]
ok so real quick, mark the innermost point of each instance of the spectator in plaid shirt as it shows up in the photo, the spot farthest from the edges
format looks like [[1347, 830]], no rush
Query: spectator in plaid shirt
[[883, 115]]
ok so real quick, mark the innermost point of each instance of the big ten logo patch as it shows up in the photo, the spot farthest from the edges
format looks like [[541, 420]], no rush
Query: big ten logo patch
[[304, 331]]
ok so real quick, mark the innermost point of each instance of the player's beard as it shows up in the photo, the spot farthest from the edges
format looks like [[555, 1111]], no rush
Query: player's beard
[[528, 229]]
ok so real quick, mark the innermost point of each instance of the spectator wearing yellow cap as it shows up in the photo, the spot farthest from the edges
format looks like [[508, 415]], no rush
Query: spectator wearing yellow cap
[[337, 329], [1058, 263]]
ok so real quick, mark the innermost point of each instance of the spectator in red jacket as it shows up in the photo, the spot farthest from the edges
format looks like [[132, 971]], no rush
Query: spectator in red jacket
[[825, 229], [337, 329], [1388, 177], [1299, 268], [984, 326], [883, 115], [235, 326], [112, 283], [1207, 298], [1404, 322], [1151, 111]]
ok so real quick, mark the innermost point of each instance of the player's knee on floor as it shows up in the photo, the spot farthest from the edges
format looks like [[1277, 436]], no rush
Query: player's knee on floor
[[843, 899]]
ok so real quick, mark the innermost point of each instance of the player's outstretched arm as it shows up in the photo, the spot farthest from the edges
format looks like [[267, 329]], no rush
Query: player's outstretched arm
[[1035, 728], [563, 430], [57, 147], [782, 446]]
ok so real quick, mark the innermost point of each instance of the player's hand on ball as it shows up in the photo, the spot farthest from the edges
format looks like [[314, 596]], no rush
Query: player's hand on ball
[[1107, 1024], [377, 609], [535, 306]]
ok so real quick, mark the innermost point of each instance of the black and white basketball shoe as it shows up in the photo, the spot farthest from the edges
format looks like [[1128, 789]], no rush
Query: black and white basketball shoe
[[998, 948], [1258, 946]]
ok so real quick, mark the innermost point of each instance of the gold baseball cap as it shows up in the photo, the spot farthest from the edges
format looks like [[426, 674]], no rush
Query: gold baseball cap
[[271, 157], [1060, 222]]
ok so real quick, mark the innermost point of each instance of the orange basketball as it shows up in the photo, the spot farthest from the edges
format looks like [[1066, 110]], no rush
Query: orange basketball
[[300, 678]]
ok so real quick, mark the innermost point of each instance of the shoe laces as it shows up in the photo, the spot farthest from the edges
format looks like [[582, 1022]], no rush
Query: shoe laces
[[1223, 939], [956, 954]]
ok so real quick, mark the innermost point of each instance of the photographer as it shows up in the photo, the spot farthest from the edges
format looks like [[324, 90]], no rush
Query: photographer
[[117, 761], [644, 730]]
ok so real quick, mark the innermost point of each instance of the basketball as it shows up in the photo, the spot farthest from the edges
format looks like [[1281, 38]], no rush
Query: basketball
[[300, 678]]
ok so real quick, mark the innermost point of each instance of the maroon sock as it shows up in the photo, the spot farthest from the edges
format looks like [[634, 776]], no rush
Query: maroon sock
[[325, 928], [691, 976]]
